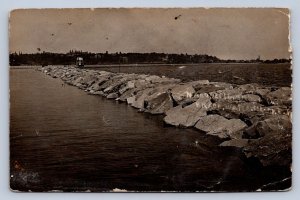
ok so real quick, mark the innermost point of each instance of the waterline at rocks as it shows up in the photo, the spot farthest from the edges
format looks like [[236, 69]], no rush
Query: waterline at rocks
[[254, 118]]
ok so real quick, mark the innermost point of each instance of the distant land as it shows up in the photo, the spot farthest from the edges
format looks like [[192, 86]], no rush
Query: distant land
[[49, 58]]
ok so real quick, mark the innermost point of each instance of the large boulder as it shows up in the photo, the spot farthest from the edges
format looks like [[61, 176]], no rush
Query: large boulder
[[88, 78], [138, 101], [234, 95], [266, 124], [254, 89], [239, 143], [112, 80], [138, 84], [128, 93], [77, 82], [150, 93], [159, 89], [250, 98], [275, 147], [97, 85], [114, 87], [159, 104], [261, 91], [152, 78], [249, 87], [282, 96], [221, 127], [181, 92], [112, 95], [207, 88], [188, 116], [275, 125], [237, 109]]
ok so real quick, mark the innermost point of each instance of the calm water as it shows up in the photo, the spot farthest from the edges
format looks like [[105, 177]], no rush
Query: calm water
[[265, 74], [63, 139]]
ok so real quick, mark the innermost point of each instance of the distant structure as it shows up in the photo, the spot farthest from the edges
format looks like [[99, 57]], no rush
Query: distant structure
[[124, 60], [79, 62], [258, 59]]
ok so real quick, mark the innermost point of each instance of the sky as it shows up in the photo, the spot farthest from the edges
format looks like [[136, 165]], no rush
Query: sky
[[226, 33]]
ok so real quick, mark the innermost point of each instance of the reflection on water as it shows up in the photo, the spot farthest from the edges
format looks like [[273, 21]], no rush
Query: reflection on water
[[63, 139]]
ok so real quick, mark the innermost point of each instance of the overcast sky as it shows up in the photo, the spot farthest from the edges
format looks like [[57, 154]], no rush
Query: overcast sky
[[225, 33]]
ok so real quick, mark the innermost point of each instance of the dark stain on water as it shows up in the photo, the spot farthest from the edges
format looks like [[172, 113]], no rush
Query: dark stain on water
[[63, 139]]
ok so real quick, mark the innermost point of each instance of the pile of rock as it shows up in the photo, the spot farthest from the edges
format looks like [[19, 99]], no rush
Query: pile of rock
[[252, 117]]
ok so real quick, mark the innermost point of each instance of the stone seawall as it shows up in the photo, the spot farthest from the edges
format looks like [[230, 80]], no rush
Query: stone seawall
[[255, 118]]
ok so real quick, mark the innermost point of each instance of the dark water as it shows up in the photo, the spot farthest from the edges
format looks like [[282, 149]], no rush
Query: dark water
[[63, 139], [265, 74]]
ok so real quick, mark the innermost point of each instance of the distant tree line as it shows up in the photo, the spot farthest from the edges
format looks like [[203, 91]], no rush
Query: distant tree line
[[48, 58]]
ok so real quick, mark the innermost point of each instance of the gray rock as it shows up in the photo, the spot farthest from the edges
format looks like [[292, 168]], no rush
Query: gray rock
[[278, 125], [159, 104], [112, 80], [135, 84], [227, 94], [181, 92], [259, 91], [150, 93], [187, 102], [128, 93], [139, 83], [112, 96], [88, 79], [189, 115], [105, 73], [221, 85], [199, 82], [282, 96], [221, 127], [77, 81], [159, 89], [250, 98], [114, 86], [262, 91], [207, 88], [275, 147], [250, 132], [97, 93], [248, 87], [238, 107], [152, 78], [139, 100], [101, 80], [240, 143], [130, 100]]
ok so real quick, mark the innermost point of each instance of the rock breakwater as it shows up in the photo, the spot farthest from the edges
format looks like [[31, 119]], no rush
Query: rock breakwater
[[252, 117]]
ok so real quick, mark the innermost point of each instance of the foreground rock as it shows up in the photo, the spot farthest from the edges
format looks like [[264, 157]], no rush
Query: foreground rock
[[181, 92], [159, 104], [221, 127], [251, 117], [240, 143], [282, 96], [275, 144], [188, 116]]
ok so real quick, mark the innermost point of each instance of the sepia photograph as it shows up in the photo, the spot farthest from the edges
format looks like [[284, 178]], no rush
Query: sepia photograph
[[150, 100]]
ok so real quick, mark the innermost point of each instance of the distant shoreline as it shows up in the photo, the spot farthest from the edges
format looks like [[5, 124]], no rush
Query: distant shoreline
[[156, 64]]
